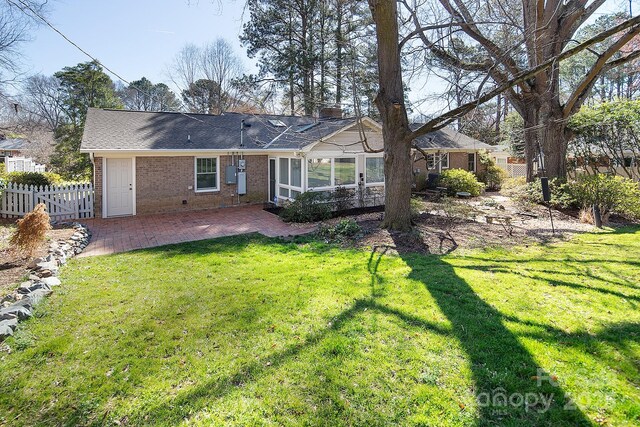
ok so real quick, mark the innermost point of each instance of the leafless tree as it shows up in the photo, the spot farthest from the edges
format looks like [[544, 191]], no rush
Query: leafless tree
[[15, 29], [215, 62], [527, 83], [42, 99], [500, 39]]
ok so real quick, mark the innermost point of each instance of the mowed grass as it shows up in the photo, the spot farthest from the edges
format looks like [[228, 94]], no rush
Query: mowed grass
[[256, 331]]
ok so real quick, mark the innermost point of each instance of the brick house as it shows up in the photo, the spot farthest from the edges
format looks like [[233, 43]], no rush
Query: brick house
[[155, 162]]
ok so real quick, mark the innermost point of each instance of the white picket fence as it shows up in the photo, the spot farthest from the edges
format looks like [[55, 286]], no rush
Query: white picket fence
[[71, 201], [23, 164]]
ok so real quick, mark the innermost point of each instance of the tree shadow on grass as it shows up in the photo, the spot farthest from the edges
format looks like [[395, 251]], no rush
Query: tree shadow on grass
[[510, 385]]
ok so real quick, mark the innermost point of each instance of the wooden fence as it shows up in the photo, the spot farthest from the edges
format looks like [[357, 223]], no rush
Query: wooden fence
[[70, 201]]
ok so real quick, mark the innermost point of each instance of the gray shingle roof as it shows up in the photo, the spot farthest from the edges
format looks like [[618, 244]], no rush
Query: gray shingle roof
[[448, 138], [13, 144], [137, 130]]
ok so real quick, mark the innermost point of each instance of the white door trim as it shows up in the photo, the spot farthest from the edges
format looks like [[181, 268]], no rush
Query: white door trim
[[105, 198]]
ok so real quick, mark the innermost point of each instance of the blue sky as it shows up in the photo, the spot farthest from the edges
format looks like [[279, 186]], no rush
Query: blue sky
[[135, 38]]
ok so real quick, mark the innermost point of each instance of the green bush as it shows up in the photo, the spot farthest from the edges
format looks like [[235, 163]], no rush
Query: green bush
[[457, 180], [417, 206], [561, 197], [344, 229], [491, 175], [307, 207], [342, 198], [511, 183], [34, 178], [612, 194]]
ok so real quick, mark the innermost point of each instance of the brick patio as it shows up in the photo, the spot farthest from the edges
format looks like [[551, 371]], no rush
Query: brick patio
[[145, 231]]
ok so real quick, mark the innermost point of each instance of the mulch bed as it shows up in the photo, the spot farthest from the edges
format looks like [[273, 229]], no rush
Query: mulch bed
[[13, 265], [433, 233]]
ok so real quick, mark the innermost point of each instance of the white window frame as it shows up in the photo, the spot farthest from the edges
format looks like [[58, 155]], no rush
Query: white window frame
[[289, 186], [475, 161], [436, 162], [195, 175], [444, 156], [332, 180], [366, 178]]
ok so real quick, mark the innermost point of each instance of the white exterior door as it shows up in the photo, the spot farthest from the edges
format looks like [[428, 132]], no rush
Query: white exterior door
[[119, 186]]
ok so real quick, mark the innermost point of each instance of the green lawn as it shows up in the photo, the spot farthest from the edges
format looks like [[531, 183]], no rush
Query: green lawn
[[253, 331]]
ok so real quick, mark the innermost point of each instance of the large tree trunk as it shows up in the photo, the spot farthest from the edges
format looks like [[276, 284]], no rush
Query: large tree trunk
[[398, 176], [529, 115], [395, 124], [554, 146]]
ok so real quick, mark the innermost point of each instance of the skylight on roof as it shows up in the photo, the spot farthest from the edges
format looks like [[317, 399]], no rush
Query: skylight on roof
[[305, 127], [277, 123]]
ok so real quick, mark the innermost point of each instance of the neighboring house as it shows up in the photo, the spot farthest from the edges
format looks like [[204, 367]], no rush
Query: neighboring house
[[514, 166], [11, 154], [448, 149], [12, 147], [147, 162]]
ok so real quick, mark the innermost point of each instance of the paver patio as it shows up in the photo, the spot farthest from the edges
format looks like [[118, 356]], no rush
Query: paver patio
[[123, 234]]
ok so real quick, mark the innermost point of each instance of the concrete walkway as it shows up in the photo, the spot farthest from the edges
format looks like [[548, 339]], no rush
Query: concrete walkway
[[115, 235]]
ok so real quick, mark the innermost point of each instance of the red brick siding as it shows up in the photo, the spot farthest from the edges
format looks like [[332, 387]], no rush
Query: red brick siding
[[162, 183], [458, 161]]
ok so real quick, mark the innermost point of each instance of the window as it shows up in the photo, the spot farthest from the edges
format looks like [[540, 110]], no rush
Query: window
[[431, 161], [374, 170], [296, 172], [471, 162], [344, 171], [319, 173], [284, 171], [290, 177], [206, 174], [444, 160], [434, 159]]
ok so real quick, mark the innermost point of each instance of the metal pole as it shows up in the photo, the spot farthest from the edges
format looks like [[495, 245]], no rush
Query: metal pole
[[553, 229]]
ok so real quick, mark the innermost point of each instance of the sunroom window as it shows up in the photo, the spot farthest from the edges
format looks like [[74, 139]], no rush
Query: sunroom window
[[374, 170], [290, 177], [345, 171], [319, 173]]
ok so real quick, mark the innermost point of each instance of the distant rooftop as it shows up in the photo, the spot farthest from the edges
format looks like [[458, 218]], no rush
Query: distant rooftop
[[13, 144]]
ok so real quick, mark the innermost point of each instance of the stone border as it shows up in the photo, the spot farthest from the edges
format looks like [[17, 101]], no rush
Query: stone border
[[19, 305]]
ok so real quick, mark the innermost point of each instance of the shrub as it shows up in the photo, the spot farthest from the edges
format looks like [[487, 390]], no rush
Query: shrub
[[307, 207], [612, 194], [416, 206], [342, 198], [528, 194], [491, 175], [561, 197], [456, 180], [34, 178], [344, 229], [421, 181], [511, 183], [31, 230]]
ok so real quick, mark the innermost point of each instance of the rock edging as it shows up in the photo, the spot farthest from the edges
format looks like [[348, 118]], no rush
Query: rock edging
[[43, 278]]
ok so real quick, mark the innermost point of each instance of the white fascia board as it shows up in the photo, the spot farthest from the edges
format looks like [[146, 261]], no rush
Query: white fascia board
[[170, 152]]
